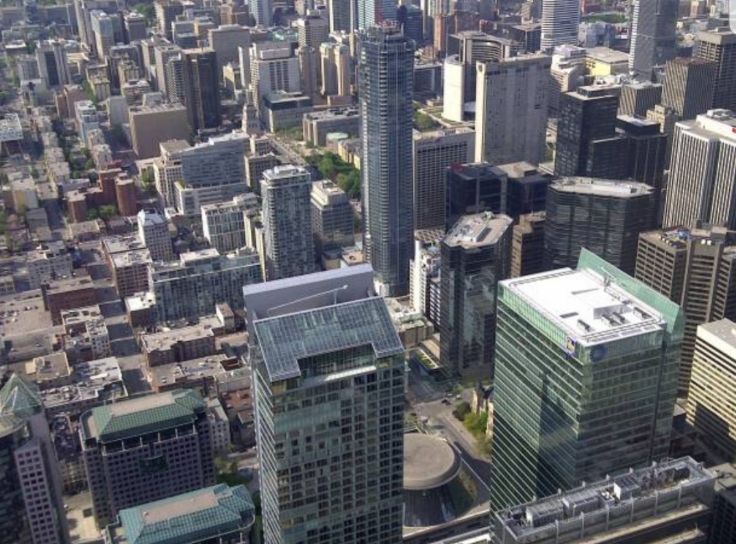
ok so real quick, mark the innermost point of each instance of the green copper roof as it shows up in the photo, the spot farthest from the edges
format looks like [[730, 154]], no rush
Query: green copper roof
[[146, 414], [187, 518], [19, 397], [671, 311]]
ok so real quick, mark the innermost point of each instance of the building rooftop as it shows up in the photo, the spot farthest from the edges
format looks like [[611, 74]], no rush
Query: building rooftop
[[150, 217], [721, 334], [533, 521], [713, 124], [429, 462], [608, 55], [142, 415], [478, 230], [477, 169], [587, 306], [332, 113], [601, 187], [198, 516], [284, 340], [168, 339], [70, 284], [98, 381], [131, 258], [120, 244]]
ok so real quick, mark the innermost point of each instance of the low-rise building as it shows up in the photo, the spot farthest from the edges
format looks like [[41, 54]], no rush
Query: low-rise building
[[65, 294], [50, 261], [317, 125], [183, 344]]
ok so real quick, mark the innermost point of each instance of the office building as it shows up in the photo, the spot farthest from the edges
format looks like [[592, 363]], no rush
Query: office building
[[653, 35], [287, 222], [48, 262], [580, 334], [385, 96], [425, 285], [102, 31], [335, 66], [435, 152], [702, 185], [309, 69], [153, 231], [145, 449], [511, 110], [220, 512], [201, 88], [262, 12], [586, 115], [31, 507], [475, 256], [603, 216], [152, 125], [135, 27], [527, 245], [52, 63], [638, 97], [193, 286], [225, 41], [560, 21], [342, 15], [689, 84], [332, 217], [223, 223], [374, 12], [312, 30], [317, 125], [712, 393], [668, 502], [526, 188], [719, 46], [166, 12], [317, 334], [474, 188], [694, 268], [273, 67]]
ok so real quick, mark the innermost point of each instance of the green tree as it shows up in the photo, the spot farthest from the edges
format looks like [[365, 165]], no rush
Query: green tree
[[107, 212], [327, 167], [93, 214], [147, 11]]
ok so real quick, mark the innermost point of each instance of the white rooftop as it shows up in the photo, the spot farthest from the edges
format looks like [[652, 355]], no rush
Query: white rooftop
[[588, 308]]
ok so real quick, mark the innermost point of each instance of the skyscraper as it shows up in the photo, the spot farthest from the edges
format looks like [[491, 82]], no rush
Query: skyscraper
[[604, 216], [511, 102], [375, 12], [385, 97], [30, 499], [434, 152], [560, 21], [343, 15], [696, 269], [153, 231], [475, 256], [329, 386], [287, 222], [52, 63], [712, 393], [474, 188], [201, 88], [688, 86], [586, 115], [653, 35], [586, 379], [527, 245], [638, 97], [262, 11], [719, 46], [145, 449], [702, 185]]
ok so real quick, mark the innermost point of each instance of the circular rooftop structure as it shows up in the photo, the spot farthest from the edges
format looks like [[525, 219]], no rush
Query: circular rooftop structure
[[429, 462]]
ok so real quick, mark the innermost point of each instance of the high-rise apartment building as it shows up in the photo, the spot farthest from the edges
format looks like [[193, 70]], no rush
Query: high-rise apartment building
[[201, 88], [328, 371], [586, 115], [586, 379], [604, 216], [31, 509], [653, 35], [193, 286], [52, 63], [434, 153], [702, 184], [474, 188], [287, 222], [688, 86], [223, 223], [153, 231], [424, 291], [385, 98], [671, 501], [719, 46], [696, 269], [332, 217], [560, 21], [711, 400], [511, 109], [527, 245], [475, 256], [145, 449]]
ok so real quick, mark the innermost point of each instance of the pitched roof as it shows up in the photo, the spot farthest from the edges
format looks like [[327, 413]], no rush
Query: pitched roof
[[190, 517], [20, 397]]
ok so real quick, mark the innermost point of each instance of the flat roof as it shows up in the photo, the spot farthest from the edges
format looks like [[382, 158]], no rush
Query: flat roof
[[720, 334], [601, 187], [478, 230], [429, 462], [586, 306]]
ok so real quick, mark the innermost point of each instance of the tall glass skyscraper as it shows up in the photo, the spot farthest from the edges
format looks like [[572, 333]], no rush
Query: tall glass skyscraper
[[560, 21], [328, 371], [386, 92], [653, 35], [586, 379]]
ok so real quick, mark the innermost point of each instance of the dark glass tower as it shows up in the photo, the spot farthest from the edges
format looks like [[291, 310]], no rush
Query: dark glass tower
[[653, 35], [201, 88], [386, 91]]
